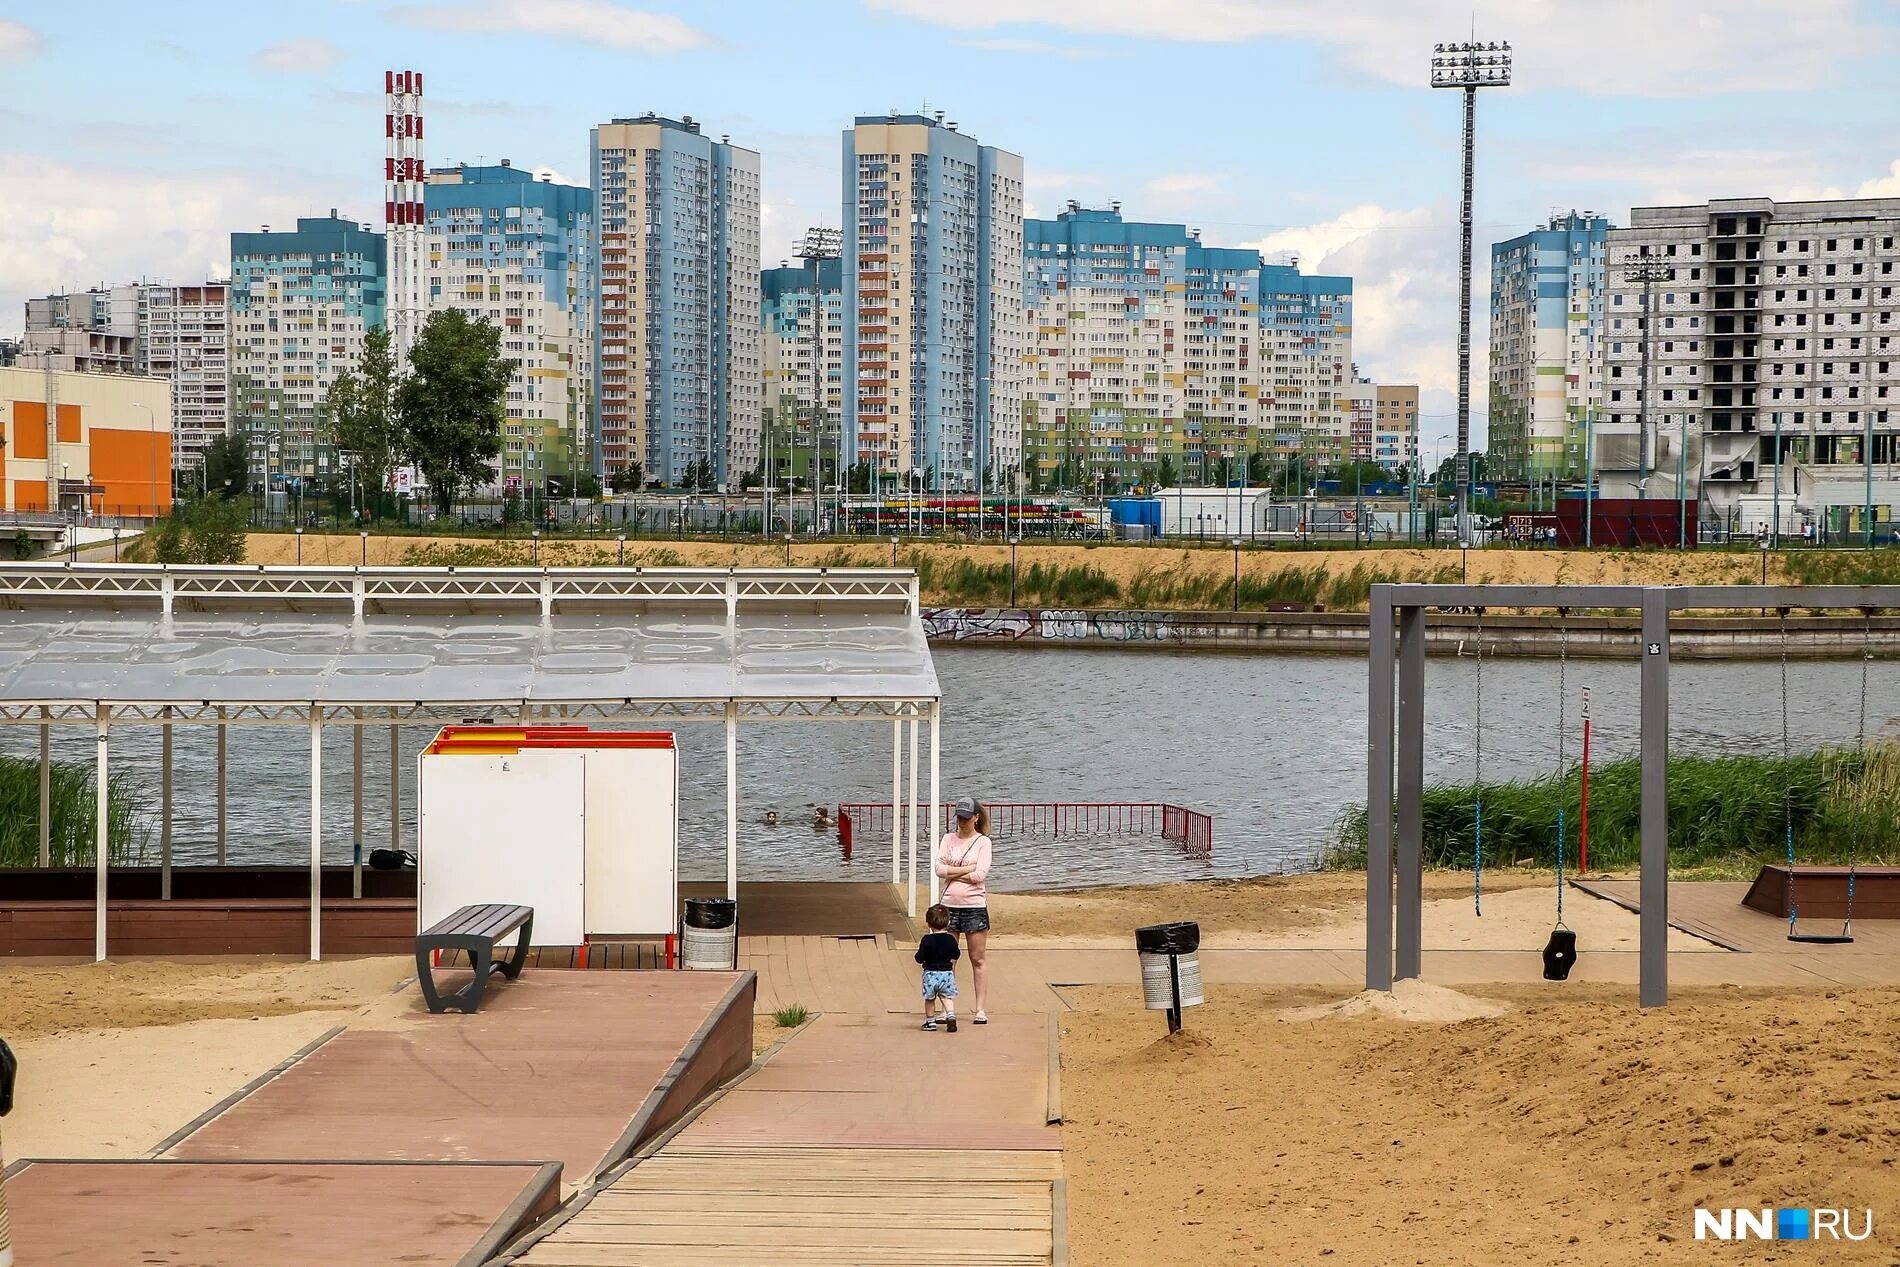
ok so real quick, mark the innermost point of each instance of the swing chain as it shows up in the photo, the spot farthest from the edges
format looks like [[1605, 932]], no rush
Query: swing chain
[[1787, 793], [1563, 687], [1477, 826]]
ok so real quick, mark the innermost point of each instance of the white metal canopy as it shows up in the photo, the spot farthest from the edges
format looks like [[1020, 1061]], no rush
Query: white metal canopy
[[111, 644]]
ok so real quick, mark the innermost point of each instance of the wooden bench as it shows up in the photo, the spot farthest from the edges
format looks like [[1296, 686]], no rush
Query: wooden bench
[[474, 929]]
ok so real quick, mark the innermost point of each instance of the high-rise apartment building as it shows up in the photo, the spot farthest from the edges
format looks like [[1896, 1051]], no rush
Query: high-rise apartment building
[[1547, 290], [933, 301], [677, 325], [300, 305], [177, 333], [803, 315], [1305, 364], [1153, 357], [1362, 400], [520, 252], [1395, 426], [1774, 351], [184, 336], [1143, 356]]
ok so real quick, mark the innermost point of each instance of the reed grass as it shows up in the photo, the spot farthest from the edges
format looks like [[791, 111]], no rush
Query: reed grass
[[1724, 812], [73, 802]]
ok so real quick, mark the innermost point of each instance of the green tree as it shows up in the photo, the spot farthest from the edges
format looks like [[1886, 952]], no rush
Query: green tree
[[204, 530], [1256, 468], [454, 402], [1165, 474], [587, 484], [227, 466], [628, 479], [365, 418]]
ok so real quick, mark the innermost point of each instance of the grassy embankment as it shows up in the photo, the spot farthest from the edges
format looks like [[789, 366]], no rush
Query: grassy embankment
[[1727, 815], [74, 803]]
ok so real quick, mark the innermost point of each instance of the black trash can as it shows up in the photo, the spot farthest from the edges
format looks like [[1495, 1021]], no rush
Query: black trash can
[[710, 940], [1170, 968]]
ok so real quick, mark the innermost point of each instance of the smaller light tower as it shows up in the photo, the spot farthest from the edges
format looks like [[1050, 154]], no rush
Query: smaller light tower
[[821, 244], [1471, 65], [1648, 271]]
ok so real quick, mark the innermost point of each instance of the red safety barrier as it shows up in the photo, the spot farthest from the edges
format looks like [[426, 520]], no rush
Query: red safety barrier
[[1056, 821]]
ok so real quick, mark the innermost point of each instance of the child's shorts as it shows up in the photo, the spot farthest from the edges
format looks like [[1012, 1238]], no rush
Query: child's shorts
[[940, 985]]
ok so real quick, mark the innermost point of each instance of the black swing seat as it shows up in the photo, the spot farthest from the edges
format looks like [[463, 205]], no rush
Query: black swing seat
[[1560, 954], [1843, 938]]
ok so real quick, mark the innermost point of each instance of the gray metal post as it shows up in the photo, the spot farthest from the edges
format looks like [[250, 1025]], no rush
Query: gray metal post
[[102, 829], [165, 809], [221, 772], [46, 792], [1654, 886], [356, 788], [1411, 830], [395, 787], [1379, 795], [1464, 330]]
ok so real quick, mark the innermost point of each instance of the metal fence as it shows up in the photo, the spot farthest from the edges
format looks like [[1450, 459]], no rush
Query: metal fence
[[1050, 822]]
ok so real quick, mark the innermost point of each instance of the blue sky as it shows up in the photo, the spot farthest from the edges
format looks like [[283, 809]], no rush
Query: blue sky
[[134, 137]]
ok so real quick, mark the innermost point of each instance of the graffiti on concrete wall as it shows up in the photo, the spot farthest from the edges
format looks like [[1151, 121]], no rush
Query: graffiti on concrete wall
[[1057, 624], [978, 624]]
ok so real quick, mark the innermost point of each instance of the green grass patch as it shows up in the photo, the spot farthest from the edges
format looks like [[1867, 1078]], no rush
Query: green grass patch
[[73, 815], [1727, 815], [791, 1016]]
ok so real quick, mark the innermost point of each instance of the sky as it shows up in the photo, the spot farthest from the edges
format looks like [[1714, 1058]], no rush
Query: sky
[[135, 137]]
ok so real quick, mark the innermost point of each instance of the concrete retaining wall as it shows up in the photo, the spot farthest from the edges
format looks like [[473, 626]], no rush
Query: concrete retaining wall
[[1345, 633]]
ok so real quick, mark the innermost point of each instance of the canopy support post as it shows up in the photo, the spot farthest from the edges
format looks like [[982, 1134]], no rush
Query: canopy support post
[[897, 796], [221, 771], [165, 808], [316, 832], [732, 800], [1653, 882], [910, 822], [395, 788], [356, 789], [102, 717], [46, 790], [932, 830]]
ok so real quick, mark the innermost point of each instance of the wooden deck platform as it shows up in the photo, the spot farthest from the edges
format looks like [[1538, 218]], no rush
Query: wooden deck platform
[[1822, 892], [1715, 911], [578, 1068], [247, 1213], [839, 1150]]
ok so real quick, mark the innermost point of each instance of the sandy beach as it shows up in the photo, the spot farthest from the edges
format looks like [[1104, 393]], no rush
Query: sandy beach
[[1578, 1131]]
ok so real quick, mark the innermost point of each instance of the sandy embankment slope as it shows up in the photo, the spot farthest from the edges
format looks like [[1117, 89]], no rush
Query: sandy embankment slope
[[114, 1057]]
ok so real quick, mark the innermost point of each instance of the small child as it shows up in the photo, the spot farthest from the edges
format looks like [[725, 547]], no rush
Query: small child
[[938, 953]]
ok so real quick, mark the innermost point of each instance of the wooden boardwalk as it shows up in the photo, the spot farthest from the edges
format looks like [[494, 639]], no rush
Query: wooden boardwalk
[[847, 1148]]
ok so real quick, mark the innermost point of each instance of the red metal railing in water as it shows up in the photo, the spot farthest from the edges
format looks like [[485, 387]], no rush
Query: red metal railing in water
[[1189, 830]]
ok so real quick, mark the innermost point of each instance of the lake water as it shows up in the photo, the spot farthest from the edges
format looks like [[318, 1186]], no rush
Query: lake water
[[1272, 746]]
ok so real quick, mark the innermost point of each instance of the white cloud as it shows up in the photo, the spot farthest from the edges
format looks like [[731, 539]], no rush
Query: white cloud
[[305, 55], [1038, 48], [1404, 266], [544, 172], [70, 225], [1637, 47], [596, 22], [18, 41], [1887, 186]]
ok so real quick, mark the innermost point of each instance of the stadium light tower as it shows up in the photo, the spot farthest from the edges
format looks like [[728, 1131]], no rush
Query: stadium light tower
[[1471, 65]]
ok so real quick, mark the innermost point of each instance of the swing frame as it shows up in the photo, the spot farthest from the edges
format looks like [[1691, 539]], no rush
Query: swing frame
[[1395, 738]]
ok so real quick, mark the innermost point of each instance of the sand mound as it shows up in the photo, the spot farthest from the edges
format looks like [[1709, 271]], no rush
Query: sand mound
[[1409, 1000]]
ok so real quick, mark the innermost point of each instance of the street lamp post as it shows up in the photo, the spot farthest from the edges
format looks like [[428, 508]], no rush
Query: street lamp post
[[1468, 66], [1236, 573]]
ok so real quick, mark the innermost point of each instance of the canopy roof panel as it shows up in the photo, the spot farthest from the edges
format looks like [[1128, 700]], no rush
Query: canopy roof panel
[[650, 656]]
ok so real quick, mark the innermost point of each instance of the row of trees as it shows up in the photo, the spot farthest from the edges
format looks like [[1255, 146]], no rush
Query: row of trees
[[444, 415]]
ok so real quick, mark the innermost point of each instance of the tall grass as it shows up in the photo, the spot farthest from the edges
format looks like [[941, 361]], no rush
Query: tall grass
[[1843, 804], [73, 813], [1843, 567]]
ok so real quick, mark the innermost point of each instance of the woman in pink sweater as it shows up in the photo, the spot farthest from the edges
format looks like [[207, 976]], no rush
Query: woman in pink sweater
[[963, 864]]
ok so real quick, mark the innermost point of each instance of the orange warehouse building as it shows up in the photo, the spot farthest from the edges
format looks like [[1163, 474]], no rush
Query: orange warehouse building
[[85, 443]]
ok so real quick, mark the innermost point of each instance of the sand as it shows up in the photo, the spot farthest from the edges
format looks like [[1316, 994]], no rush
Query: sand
[[114, 1057], [1123, 563], [1575, 1131], [1324, 910]]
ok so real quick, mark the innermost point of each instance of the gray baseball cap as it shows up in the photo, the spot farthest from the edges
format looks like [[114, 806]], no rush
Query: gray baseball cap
[[966, 807]]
